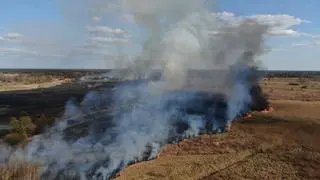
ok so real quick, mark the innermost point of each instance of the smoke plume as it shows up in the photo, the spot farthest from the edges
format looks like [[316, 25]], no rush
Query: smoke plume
[[110, 129]]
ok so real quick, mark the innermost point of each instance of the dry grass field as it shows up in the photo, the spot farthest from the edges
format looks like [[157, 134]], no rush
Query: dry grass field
[[272, 146], [283, 144], [18, 171], [29, 81], [297, 89]]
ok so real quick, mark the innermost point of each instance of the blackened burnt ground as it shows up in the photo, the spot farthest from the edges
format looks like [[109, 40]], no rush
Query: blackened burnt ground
[[49, 102]]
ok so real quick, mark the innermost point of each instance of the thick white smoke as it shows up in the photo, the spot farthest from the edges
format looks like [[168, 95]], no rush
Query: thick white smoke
[[145, 115]]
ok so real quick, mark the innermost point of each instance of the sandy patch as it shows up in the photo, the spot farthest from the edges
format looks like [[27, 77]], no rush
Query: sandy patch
[[14, 86]]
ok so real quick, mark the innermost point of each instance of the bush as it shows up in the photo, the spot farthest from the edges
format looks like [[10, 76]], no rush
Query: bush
[[42, 122], [14, 138], [23, 126], [294, 84]]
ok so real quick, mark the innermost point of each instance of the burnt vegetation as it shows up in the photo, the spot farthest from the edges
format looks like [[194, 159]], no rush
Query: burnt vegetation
[[201, 105]]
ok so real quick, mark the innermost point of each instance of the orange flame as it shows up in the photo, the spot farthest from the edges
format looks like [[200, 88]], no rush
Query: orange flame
[[270, 109], [247, 116], [121, 173]]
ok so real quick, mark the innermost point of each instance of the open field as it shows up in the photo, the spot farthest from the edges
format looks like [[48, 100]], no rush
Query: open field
[[282, 144], [297, 89], [269, 146], [30, 80], [40, 92]]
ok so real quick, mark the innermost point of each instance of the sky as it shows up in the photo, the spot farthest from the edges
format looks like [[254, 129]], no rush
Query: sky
[[61, 34]]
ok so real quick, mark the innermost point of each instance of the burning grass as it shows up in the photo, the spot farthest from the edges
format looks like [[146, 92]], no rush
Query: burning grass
[[279, 143], [264, 147], [272, 144]]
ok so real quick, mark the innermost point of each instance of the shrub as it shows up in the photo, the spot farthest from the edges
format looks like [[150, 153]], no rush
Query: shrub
[[14, 138], [16, 126], [294, 84], [23, 126], [27, 125], [42, 122]]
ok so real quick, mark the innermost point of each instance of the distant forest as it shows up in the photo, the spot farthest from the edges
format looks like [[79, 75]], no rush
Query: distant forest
[[81, 72]]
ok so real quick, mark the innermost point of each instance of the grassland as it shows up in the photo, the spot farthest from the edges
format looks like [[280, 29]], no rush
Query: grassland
[[14, 81], [282, 144], [268, 146], [18, 171]]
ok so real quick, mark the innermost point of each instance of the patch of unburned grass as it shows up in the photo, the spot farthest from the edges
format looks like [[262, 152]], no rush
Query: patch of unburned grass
[[182, 167], [303, 89], [296, 110], [18, 171]]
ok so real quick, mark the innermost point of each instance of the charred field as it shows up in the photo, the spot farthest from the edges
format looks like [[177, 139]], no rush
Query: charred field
[[282, 144]]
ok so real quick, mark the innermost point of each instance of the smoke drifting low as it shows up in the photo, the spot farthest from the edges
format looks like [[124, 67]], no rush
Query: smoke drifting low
[[133, 121]]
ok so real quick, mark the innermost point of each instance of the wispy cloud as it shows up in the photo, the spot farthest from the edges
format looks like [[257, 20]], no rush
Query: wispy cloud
[[280, 24], [106, 30], [303, 45], [107, 35], [310, 44], [276, 49], [96, 18], [17, 51], [109, 40], [14, 35], [90, 51], [284, 32]]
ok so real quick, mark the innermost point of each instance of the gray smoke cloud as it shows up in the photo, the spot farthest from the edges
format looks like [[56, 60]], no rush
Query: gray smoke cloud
[[136, 119], [178, 39]]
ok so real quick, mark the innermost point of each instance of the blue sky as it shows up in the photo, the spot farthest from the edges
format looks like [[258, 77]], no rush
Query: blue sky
[[42, 34], [287, 57]]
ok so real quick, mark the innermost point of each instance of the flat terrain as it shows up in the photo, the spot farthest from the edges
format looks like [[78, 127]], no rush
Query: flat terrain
[[38, 93], [272, 146], [283, 144], [297, 89]]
